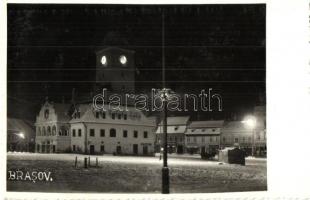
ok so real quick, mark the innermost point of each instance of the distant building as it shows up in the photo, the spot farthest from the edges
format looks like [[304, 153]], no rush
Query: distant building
[[52, 128], [236, 133], [20, 135], [260, 130], [176, 128], [203, 136]]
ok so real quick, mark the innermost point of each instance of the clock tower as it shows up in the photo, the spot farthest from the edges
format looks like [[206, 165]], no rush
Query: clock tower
[[115, 70]]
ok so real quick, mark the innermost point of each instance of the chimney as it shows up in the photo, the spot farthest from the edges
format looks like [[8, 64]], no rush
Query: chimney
[[73, 96]]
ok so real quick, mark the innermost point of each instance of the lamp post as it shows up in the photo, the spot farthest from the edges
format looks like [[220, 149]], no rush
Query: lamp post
[[165, 169], [164, 97], [250, 122]]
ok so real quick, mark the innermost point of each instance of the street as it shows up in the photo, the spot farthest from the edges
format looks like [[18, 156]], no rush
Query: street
[[129, 174]]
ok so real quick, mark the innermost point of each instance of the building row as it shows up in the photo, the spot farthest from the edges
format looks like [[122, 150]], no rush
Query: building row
[[185, 136], [131, 132]]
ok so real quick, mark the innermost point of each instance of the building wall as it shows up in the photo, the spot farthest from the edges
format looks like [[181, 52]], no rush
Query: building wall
[[243, 137], [77, 140], [50, 131], [201, 141], [111, 143]]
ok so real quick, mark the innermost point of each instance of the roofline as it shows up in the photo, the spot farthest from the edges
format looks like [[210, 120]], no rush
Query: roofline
[[113, 47]]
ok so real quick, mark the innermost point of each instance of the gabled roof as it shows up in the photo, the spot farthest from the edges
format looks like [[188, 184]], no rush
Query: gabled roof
[[61, 111], [172, 121], [82, 108], [87, 114], [207, 124], [234, 126]]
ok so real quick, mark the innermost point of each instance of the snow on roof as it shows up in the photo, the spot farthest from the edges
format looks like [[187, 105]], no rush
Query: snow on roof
[[235, 126], [207, 124], [87, 112]]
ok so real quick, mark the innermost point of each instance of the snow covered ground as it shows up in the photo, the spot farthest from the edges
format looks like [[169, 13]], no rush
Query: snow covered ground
[[131, 174]]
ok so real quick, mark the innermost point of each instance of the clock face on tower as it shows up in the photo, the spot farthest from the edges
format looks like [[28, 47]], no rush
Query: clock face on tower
[[123, 59], [104, 60], [112, 64]]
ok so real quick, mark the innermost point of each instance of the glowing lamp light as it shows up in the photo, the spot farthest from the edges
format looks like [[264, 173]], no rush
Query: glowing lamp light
[[21, 135], [250, 122]]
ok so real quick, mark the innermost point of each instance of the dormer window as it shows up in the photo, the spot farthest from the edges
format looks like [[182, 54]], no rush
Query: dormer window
[[46, 113], [77, 115], [176, 128]]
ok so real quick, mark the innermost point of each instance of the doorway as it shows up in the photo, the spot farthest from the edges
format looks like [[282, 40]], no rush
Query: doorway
[[92, 149], [180, 149], [118, 150], [135, 149], [145, 150]]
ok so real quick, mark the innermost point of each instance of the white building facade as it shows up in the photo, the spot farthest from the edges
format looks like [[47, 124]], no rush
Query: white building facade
[[113, 132], [88, 131], [52, 128]]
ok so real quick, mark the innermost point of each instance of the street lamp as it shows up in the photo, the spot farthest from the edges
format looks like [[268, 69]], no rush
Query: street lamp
[[21, 135], [250, 122], [164, 97], [164, 94]]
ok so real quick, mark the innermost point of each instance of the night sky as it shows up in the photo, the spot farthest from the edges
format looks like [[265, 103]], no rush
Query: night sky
[[51, 49]]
